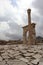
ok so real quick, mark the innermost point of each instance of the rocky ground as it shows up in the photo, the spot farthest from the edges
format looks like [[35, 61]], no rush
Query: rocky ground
[[21, 54]]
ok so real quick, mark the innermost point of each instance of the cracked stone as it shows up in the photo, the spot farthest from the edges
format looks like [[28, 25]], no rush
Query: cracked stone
[[35, 62], [28, 54], [16, 62], [23, 59], [2, 63], [37, 56], [40, 63], [1, 58]]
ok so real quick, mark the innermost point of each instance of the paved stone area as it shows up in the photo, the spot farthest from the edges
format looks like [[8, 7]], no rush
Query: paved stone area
[[20, 54]]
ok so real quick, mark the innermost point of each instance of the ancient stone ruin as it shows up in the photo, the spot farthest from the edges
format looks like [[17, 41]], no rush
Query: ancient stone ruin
[[30, 28]]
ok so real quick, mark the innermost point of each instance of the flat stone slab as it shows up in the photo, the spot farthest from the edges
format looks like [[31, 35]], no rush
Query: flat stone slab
[[5, 57], [10, 51], [16, 62], [23, 51], [40, 63], [3, 63], [37, 56], [1, 58], [35, 62], [41, 60], [23, 59], [28, 54]]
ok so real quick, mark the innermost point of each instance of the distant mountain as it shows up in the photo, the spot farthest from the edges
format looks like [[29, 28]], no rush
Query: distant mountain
[[39, 39]]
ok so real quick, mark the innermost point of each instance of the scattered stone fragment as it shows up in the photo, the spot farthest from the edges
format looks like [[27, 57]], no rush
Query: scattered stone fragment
[[23, 51], [5, 57], [2, 63], [16, 62], [40, 63], [23, 59], [10, 51], [41, 60], [37, 56], [10, 55], [19, 56], [35, 62], [28, 54], [30, 51], [1, 58]]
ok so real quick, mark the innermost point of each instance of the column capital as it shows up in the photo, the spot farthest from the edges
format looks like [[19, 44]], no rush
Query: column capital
[[29, 10]]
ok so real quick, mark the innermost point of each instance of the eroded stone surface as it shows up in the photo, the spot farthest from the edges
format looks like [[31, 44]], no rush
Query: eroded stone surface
[[1, 58], [21, 54], [35, 62]]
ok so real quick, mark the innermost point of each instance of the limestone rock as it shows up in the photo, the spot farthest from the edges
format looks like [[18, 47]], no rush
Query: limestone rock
[[37, 56], [23, 59], [35, 62], [1, 58], [40, 63]]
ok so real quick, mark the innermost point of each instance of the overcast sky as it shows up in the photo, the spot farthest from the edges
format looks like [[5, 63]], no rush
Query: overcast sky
[[13, 15]]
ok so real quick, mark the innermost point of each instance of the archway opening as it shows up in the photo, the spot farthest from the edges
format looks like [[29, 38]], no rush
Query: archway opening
[[27, 36]]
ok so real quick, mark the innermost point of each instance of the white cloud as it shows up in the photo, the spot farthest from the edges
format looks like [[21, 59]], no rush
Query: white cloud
[[3, 36], [4, 26], [23, 5], [10, 14], [17, 14]]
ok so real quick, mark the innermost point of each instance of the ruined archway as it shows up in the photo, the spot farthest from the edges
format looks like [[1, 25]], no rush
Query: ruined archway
[[31, 28]]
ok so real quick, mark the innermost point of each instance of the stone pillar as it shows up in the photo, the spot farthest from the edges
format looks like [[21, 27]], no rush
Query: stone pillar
[[29, 25], [24, 36], [33, 35], [29, 16]]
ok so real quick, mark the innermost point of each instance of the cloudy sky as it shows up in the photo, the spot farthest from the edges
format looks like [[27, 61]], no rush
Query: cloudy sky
[[13, 15]]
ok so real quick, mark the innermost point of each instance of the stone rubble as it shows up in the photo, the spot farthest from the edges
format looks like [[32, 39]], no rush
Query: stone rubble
[[20, 54], [1, 58], [35, 62]]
